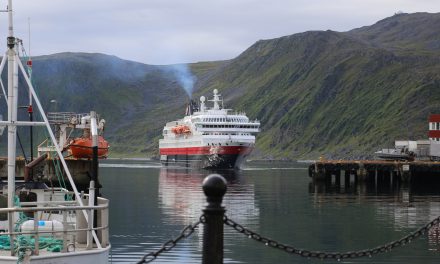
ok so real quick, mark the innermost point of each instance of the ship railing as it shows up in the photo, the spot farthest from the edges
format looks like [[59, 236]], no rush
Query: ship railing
[[59, 118], [68, 224], [46, 147]]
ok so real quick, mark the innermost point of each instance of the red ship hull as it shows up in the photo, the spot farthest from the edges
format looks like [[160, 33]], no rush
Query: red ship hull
[[216, 157]]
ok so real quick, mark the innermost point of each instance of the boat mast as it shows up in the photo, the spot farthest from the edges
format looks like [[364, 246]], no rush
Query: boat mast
[[30, 109], [14, 64], [12, 109]]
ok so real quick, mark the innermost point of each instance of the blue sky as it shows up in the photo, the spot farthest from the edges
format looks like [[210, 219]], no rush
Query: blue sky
[[178, 31]]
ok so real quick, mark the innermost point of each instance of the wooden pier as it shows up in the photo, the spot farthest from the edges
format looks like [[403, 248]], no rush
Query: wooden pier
[[364, 170]]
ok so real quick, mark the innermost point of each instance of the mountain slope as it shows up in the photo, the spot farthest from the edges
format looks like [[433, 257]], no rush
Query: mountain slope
[[416, 32], [337, 94], [130, 96]]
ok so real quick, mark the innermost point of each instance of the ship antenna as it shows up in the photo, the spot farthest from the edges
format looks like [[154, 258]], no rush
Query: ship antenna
[[29, 35]]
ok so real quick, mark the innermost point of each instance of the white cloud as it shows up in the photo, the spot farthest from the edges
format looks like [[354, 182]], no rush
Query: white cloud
[[173, 31]]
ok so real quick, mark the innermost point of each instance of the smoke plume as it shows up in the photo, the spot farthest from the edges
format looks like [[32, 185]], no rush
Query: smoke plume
[[184, 77]]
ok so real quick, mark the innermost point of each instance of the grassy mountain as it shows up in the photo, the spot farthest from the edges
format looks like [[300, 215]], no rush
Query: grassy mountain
[[130, 96], [338, 94]]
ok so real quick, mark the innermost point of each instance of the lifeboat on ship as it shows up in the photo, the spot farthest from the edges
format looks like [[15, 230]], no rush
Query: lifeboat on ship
[[181, 129], [82, 148]]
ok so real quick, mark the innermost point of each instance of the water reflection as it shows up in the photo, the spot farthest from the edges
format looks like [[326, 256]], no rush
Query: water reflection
[[181, 196], [181, 200], [150, 205], [408, 206]]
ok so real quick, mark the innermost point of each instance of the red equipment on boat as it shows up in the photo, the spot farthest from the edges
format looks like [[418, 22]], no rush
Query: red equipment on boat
[[82, 147], [181, 129]]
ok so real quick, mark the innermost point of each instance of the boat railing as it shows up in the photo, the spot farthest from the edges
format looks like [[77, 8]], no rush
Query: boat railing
[[64, 221], [59, 118], [46, 147]]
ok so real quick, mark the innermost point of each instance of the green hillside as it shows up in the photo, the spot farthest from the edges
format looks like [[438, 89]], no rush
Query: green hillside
[[337, 94]]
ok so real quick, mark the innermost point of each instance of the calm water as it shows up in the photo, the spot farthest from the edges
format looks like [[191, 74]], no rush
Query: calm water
[[150, 205]]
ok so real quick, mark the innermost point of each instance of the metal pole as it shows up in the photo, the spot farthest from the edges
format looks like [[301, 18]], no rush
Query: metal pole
[[12, 116], [90, 216], [36, 236], [214, 187], [31, 133], [94, 180]]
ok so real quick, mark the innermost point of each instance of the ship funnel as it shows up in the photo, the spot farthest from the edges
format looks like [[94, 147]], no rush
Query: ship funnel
[[191, 107]]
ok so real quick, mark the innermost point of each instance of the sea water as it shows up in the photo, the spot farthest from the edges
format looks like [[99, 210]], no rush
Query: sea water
[[150, 205]]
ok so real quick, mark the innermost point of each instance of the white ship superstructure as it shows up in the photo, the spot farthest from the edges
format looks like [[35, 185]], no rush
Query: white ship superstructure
[[209, 137]]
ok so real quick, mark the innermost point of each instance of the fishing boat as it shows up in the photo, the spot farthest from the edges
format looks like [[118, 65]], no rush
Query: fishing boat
[[40, 224], [216, 137]]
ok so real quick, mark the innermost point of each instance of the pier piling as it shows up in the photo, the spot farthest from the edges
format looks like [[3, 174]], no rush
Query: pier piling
[[382, 171]]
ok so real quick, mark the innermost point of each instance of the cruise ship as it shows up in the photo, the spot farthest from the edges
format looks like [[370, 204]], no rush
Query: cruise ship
[[214, 138]]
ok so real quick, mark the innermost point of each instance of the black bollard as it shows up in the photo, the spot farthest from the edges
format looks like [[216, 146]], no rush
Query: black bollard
[[214, 187]]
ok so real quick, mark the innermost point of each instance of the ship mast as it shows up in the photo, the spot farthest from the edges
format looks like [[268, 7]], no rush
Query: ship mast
[[12, 108], [14, 64]]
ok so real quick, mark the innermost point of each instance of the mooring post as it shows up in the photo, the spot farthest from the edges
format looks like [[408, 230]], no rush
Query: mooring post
[[214, 187]]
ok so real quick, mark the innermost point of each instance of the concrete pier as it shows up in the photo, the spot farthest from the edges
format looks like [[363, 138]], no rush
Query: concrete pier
[[365, 170]]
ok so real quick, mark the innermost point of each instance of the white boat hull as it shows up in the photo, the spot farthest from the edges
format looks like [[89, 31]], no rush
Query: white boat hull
[[95, 256]]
